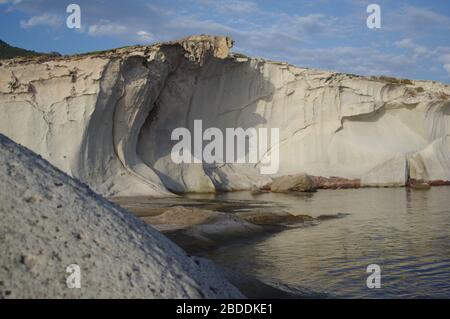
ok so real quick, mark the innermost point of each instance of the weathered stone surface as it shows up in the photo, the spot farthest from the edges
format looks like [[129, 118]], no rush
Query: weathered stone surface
[[334, 182], [49, 221], [432, 164], [292, 183], [393, 172]]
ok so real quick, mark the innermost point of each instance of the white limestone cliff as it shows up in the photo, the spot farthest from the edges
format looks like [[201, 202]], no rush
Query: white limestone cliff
[[106, 118]]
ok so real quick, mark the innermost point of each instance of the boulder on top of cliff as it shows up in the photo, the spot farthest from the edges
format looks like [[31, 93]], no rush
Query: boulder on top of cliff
[[199, 48], [50, 221]]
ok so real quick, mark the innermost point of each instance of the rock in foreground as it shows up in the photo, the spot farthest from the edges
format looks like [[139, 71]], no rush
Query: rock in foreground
[[50, 221]]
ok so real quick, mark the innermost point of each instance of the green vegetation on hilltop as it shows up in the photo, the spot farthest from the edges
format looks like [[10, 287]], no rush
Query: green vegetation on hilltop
[[392, 80], [9, 52]]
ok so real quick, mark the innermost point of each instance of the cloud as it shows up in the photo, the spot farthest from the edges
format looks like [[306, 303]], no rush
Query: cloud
[[417, 51], [404, 44], [357, 60], [144, 36], [232, 6], [425, 17], [10, 1], [444, 58], [45, 19], [412, 20], [106, 28], [442, 54], [311, 24], [447, 68]]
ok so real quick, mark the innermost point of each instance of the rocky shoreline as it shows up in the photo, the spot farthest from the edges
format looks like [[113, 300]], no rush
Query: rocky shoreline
[[309, 183], [197, 229], [50, 221]]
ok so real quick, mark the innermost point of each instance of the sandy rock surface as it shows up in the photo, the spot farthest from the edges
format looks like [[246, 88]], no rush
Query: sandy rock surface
[[50, 221]]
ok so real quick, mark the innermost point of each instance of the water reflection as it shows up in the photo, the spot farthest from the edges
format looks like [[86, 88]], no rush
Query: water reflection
[[406, 232]]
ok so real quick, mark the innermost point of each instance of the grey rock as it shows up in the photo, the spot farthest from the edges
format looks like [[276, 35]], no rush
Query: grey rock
[[118, 255]]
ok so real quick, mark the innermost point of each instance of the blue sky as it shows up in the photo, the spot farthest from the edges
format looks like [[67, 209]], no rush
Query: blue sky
[[413, 42]]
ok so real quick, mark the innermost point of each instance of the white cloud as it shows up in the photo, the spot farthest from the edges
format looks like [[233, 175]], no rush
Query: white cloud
[[404, 44], [144, 36], [421, 51], [45, 19], [112, 29], [424, 16], [414, 20], [445, 59], [232, 7], [447, 68], [10, 1], [311, 24], [417, 51], [357, 60], [107, 28]]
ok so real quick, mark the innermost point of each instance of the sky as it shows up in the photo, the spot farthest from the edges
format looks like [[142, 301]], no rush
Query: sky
[[413, 41]]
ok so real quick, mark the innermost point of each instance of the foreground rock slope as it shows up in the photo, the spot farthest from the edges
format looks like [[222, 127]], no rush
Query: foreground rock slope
[[106, 118], [49, 221]]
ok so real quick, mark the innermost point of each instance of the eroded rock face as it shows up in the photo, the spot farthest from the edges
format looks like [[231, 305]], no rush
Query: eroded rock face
[[393, 172], [107, 118], [50, 221], [433, 162]]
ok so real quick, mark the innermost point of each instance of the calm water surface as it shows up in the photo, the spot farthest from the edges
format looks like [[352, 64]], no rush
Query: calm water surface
[[406, 232]]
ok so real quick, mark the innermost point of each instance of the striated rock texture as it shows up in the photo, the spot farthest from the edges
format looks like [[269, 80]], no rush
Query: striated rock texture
[[50, 221], [106, 118], [393, 172]]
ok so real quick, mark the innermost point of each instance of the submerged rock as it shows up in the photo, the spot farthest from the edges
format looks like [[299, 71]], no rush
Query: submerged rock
[[197, 229], [202, 223], [415, 184], [331, 216], [274, 218], [50, 221]]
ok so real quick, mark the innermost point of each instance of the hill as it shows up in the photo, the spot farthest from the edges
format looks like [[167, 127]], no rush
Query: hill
[[8, 52]]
